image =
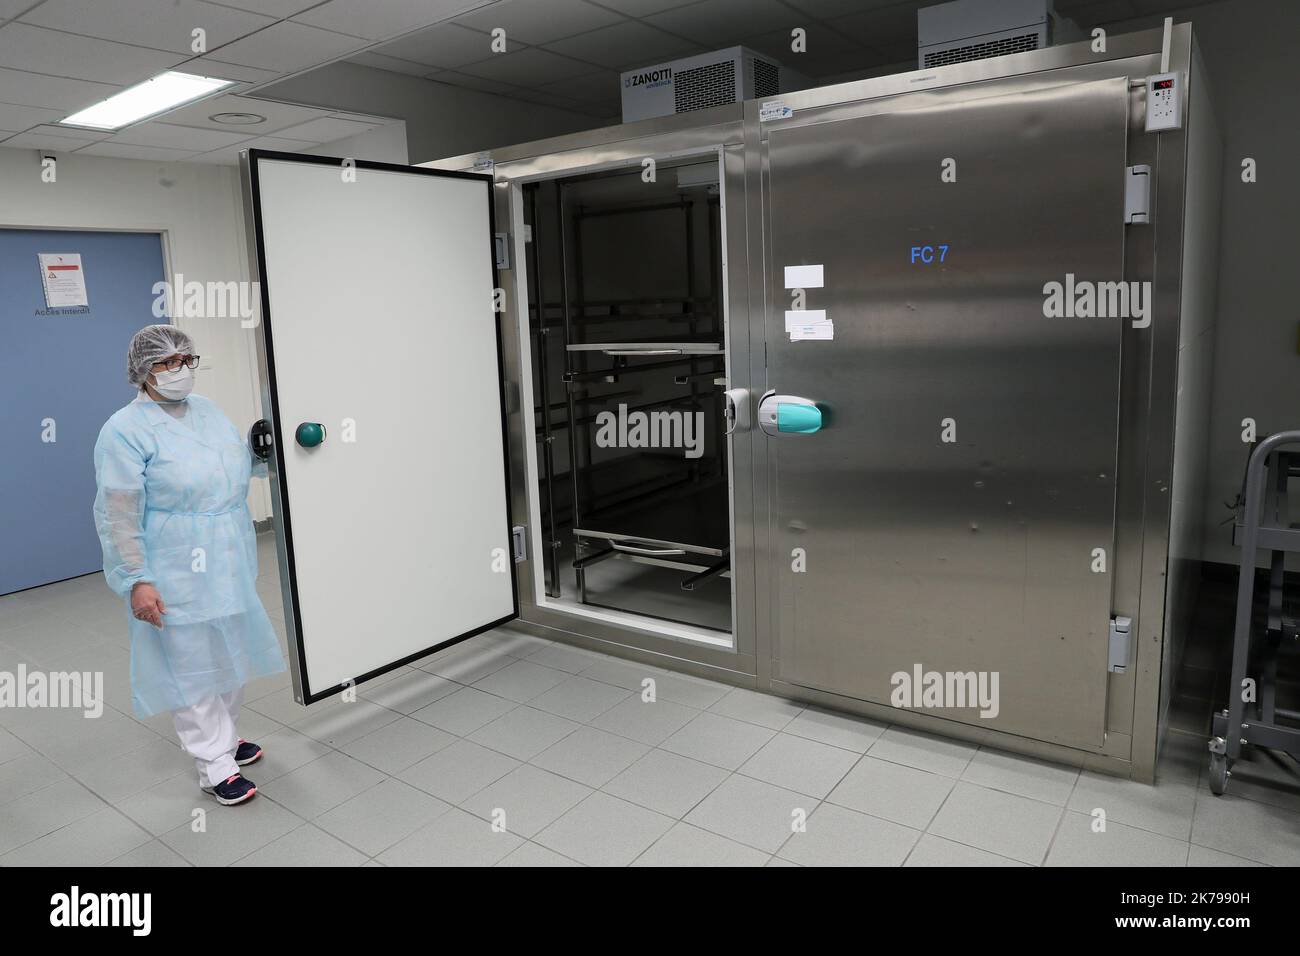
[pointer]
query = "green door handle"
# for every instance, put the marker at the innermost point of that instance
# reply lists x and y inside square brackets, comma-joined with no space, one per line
[310,434]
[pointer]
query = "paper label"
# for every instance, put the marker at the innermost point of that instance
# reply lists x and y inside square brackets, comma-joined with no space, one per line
[64,279]
[803,277]
[818,332]
[773,110]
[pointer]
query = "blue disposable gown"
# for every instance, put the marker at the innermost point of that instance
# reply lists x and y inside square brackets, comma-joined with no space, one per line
[171,510]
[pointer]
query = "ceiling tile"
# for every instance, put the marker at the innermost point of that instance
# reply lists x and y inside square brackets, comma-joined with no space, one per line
[828,9]
[286,47]
[189,138]
[527,67]
[278,115]
[55,92]
[392,64]
[380,19]
[879,28]
[642,8]
[39,139]
[447,46]
[160,24]
[558,102]
[229,155]
[721,23]
[531,21]
[625,45]
[325,130]
[125,151]
[24,47]
[453,78]
[210,66]
[272,8]
[15,118]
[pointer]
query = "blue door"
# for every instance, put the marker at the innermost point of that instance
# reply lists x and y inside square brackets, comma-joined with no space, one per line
[62,374]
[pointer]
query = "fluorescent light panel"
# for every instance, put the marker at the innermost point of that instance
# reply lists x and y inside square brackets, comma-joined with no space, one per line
[164,92]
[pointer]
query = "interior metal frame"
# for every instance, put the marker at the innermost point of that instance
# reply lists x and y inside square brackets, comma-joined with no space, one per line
[1144,572]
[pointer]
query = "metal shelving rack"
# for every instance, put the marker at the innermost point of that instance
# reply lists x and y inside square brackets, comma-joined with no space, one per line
[1265,524]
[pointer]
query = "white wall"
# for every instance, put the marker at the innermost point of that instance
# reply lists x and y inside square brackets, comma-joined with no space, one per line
[196,207]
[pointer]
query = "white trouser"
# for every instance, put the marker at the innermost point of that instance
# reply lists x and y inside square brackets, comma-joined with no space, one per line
[207,732]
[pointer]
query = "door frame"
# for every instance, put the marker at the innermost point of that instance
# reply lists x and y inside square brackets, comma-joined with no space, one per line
[251,188]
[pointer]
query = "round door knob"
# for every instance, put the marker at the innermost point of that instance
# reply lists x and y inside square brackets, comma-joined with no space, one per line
[310,434]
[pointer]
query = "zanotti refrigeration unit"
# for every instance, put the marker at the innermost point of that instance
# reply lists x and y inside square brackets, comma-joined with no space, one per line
[890,382]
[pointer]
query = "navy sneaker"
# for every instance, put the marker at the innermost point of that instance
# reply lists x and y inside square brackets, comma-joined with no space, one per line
[234,789]
[247,753]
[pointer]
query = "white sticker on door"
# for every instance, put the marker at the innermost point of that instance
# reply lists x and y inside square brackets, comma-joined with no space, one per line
[798,318]
[803,277]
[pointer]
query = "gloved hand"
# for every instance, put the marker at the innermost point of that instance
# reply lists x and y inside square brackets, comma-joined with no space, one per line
[147,603]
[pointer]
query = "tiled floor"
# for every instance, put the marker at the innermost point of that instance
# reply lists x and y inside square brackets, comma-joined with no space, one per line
[513,751]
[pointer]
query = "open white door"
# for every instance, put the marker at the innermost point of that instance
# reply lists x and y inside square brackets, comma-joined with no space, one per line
[378,325]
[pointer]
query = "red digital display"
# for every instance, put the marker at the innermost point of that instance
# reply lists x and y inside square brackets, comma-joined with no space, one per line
[1163,85]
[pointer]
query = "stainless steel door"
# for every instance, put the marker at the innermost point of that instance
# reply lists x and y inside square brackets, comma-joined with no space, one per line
[974,554]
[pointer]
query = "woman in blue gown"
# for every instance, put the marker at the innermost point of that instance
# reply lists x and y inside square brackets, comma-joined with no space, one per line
[172,515]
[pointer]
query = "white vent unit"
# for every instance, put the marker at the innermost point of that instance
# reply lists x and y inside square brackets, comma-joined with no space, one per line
[977,29]
[698,82]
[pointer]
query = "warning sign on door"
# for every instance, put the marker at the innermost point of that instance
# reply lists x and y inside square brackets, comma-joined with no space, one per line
[64,280]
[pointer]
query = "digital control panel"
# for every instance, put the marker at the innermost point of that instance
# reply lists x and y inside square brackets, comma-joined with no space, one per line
[1164,102]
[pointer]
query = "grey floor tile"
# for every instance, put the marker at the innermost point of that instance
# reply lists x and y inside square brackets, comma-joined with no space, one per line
[1264,778]
[931,850]
[650,723]
[591,756]
[752,812]
[282,708]
[766,710]
[465,711]
[111,735]
[604,831]
[456,838]
[526,800]
[11,747]
[321,785]
[1025,776]
[153,853]
[836,836]
[306,846]
[685,845]
[1001,823]
[351,721]
[691,691]
[893,792]
[409,692]
[43,811]
[561,657]
[398,745]
[517,642]
[1257,831]
[1204,856]
[521,681]
[25,775]
[845,731]
[580,699]
[1078,844]
[168,804]
[666,782]
[90,841]
[283,752]
[458,771]
[116,777]
[1164,808]
[530,854]
[923,751]
[625,674]
[799,764]
[231,833]
[722,741]
[468,661]
[524,732]
[375,819]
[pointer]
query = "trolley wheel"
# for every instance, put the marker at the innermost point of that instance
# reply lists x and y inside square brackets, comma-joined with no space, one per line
[1219,774]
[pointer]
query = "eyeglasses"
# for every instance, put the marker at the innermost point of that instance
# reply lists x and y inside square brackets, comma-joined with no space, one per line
[172,364]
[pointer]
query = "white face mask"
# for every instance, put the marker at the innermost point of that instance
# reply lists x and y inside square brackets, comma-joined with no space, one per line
[176,385]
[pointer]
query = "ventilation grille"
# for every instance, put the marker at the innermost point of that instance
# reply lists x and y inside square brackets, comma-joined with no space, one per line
[766,78]
[703,86]
[981,51]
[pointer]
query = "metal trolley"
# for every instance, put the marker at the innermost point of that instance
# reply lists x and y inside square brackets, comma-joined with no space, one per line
[1253,715]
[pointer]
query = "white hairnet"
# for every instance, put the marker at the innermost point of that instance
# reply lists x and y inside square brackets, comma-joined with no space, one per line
[152,344]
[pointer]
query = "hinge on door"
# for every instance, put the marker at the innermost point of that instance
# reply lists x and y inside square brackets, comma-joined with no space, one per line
[1120,631]
[1137,194]
[501,248]
[519,542]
